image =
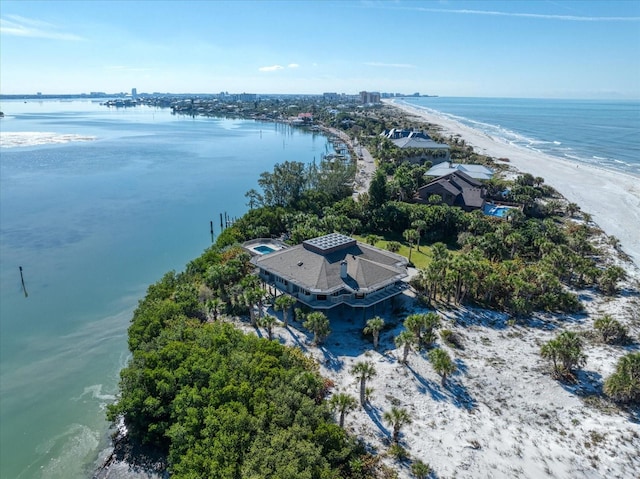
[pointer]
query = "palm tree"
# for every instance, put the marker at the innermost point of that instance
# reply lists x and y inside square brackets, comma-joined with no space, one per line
[420,469]
[343,404]
[415,324]
[397,418]
[442,364]
[319,324]
[407,339]
[572,209]
[609,278]
[284,303]
[624,385]
[441,258]
[267,322]
[363,371]
[372,239]
[422,325]
[215,307]
[420,226]
[612,331]
[373,327]
[410,236]
[515,240]
[252,298]
[565,352]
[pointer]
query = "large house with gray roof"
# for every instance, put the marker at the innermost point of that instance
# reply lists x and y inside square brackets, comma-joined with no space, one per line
[429,150]
[334,270]
[477,172]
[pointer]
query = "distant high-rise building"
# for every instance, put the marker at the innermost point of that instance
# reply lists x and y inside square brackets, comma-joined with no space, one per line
[367,97]
[134,92]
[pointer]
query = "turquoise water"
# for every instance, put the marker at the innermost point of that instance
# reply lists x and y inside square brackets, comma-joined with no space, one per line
[95,205]
[601,132]
[263,249]
[495,210]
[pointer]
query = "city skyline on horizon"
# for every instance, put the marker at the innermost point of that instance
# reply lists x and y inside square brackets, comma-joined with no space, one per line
[529,49]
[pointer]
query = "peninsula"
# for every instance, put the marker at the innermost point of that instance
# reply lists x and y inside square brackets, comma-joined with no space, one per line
[497,348]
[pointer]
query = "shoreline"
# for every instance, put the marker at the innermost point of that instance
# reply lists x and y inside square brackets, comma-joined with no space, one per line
[611,197]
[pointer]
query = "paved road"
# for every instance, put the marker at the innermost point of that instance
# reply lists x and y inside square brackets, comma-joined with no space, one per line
[365,165]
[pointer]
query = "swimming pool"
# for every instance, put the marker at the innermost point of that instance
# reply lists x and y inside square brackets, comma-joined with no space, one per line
[263,249]
[263,246]
[496,210]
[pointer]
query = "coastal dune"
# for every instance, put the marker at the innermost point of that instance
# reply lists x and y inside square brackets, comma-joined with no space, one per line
[612,198]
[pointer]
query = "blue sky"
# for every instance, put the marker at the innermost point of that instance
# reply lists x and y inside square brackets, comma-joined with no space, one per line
[546,49]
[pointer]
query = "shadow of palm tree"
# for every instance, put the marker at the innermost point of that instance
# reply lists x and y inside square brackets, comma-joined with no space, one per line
[460,396]
[428,386]
[461,367]
[296,340]
[331,361]
[587,383]
[374,414]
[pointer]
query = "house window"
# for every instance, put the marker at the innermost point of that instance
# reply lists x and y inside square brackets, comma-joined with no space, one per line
[321,297]
[359,295]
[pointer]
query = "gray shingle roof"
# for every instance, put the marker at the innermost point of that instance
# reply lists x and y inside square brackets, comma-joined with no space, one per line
[413,142]
[478,172]
[368,268]
[468,191]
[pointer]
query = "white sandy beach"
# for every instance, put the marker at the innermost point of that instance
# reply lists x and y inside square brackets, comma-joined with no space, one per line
[501,415]
[612,198]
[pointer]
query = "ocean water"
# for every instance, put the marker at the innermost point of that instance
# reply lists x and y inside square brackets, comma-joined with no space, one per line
[604,133]
[95,205]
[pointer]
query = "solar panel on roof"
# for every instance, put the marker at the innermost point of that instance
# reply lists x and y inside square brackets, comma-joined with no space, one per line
[329,242]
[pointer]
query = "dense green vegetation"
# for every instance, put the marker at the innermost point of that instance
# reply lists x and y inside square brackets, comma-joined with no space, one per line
[222,403]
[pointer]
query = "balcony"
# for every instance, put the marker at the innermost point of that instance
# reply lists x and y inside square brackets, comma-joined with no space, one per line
[350,299]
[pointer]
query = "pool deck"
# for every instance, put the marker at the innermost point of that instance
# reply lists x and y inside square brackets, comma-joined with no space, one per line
[273,244]
[498,210]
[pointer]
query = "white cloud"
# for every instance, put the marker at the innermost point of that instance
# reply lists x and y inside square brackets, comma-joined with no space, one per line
[543,16]
[389,65]
[17,26]
[271,68]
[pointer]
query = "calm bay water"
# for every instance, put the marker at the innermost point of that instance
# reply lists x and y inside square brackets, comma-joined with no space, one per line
[95,205]
[606,133]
